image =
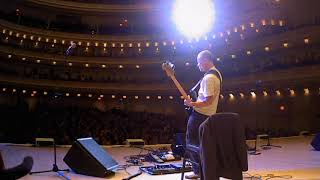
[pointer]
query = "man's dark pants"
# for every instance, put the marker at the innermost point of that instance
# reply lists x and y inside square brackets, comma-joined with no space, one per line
[192,136]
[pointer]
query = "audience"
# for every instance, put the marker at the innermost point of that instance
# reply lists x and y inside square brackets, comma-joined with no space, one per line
[66,124]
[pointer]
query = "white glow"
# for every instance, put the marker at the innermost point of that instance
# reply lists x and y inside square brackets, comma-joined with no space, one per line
[193,18]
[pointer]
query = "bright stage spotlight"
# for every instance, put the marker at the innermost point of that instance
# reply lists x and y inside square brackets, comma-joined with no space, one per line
[193,18]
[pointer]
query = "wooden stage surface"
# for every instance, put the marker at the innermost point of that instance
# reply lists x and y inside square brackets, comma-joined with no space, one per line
[296,159]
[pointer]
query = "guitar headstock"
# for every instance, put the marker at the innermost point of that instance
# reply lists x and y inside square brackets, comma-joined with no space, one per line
[168,67]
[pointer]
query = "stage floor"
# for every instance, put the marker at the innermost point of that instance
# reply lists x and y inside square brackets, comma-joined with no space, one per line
[295,160]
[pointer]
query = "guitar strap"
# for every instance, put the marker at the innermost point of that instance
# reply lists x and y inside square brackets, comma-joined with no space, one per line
[211,71]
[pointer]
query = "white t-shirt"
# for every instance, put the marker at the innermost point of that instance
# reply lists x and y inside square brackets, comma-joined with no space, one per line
[209,86]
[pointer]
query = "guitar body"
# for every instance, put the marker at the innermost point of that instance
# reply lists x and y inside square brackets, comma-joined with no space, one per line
[193,95]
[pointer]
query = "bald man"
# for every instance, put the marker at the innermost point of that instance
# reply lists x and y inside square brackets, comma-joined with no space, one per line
[205,105]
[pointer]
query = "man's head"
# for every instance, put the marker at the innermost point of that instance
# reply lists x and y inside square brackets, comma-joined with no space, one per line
[205,60]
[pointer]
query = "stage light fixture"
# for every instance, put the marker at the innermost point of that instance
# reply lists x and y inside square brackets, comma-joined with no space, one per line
[193,18]
[235,29]
[281,23]
[292,93]
[306,91]
[282,108]
[231,96]
[265,93]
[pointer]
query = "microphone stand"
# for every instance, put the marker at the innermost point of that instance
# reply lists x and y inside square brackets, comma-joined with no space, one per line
[254,151]
[55,167]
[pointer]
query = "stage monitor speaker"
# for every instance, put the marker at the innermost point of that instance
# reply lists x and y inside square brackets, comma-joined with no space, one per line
[315,143]
[88,158]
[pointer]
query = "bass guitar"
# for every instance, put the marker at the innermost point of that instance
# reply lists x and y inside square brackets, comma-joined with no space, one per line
[168,67]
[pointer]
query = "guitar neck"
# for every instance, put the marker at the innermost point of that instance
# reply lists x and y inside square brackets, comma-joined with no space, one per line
[180,88]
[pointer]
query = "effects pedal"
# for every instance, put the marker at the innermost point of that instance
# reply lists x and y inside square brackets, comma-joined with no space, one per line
[155,158]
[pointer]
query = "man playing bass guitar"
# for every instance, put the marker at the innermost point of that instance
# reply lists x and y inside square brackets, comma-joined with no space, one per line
[205,104]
